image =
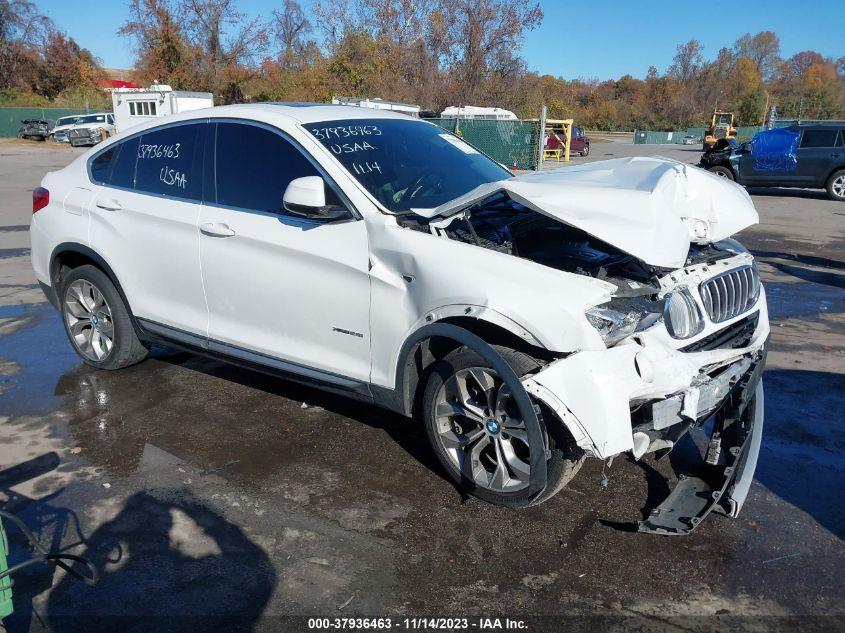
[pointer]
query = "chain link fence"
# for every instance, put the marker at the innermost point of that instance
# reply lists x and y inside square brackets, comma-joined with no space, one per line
[10,118]
[511,143]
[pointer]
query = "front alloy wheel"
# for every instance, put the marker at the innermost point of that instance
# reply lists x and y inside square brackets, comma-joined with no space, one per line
[478,433]
[89,320]
[481,430]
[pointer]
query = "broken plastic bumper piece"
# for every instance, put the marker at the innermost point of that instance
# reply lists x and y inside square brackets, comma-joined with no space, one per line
[721,480]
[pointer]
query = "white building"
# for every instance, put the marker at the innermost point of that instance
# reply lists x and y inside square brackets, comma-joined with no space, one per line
[475,112]
[136,105]
[379,104]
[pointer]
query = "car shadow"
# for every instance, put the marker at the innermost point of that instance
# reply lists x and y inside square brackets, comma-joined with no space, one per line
[809,260]
[786,192]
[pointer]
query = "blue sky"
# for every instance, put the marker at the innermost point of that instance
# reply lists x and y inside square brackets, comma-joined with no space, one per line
[590,39]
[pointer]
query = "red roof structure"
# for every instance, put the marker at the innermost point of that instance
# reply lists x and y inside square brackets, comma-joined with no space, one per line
[118,83]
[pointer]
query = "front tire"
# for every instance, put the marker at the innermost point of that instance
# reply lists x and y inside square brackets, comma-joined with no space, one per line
[585,151]
[722,172]
[836,185]
[477,433]
[97,321]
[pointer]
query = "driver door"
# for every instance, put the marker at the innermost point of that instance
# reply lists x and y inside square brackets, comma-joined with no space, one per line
[280,287]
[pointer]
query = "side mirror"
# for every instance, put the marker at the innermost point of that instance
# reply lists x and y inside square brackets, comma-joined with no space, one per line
[306,198]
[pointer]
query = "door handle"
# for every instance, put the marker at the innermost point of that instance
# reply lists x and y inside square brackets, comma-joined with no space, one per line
[109,204]
[216,229]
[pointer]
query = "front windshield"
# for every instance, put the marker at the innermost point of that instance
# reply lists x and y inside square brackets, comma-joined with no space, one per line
[67,120]
[406,164]
[94,118]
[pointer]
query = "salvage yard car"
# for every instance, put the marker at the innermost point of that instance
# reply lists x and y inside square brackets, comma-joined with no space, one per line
[37,129]
[84,129]
[809,156]
[529,322]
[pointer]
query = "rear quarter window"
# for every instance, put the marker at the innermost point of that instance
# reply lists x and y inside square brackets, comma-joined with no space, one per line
[116,165]
[818,138]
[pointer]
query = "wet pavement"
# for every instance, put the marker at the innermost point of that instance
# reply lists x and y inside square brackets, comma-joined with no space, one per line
[202,490]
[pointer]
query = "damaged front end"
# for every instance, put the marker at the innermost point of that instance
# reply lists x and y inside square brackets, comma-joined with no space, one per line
[683,335]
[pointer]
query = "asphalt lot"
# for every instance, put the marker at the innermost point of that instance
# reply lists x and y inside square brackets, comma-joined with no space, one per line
[200,489]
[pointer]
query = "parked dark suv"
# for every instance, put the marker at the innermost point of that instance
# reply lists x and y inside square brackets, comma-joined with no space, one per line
[810,156]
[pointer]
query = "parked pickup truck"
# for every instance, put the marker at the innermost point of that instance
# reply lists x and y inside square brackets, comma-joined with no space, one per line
[84,129]
[809,156]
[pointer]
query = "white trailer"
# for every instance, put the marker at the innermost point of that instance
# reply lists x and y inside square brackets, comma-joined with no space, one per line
[379,104]
[136,105]
[475,112]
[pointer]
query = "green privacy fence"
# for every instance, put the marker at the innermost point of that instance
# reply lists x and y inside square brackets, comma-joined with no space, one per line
[508,142]
[10,118]
[648,137]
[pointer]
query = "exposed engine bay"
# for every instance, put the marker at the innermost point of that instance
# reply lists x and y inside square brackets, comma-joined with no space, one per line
[502,224]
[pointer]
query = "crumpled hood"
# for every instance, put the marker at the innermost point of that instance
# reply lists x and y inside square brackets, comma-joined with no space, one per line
[651,208]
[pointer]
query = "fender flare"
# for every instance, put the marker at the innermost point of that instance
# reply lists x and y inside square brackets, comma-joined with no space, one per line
[537,481]
[99,260]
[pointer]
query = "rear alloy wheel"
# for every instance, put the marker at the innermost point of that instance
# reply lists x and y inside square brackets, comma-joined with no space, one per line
[836,185]
[479,435]
[97,322]
[722,172]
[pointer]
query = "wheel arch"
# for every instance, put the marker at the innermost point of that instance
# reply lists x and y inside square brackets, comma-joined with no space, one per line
[832,172]
[445,336]
[74,255]
[428,344]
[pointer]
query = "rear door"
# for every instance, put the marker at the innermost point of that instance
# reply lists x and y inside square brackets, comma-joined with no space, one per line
[144,223]
[816,155]
[280,288]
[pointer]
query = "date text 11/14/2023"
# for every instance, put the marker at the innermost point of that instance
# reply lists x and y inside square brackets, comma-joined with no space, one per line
[418,624]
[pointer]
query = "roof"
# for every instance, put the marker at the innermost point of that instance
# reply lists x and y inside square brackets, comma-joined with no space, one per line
[313,112]
[117,83]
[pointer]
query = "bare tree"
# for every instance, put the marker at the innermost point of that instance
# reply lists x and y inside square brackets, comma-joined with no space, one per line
[688,61]
[222,37]
[485,31]
[763,49]
[290,28]
[334,19]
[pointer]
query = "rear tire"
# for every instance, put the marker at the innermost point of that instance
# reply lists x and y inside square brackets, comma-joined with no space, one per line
[836,185]
[722,172]
[565,460]
[97,321]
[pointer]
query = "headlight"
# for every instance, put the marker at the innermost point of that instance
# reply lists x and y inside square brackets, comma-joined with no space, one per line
[614,321]
[95,131]
[681,314]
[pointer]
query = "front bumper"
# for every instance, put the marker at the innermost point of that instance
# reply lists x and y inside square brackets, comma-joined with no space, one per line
[643,395]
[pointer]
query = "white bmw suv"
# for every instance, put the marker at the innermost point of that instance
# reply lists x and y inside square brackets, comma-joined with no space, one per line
[528,322]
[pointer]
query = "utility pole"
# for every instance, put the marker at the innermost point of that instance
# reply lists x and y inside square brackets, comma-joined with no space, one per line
[541,144]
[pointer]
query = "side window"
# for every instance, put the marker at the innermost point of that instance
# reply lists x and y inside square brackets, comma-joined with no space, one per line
[101,165]
[818,138]
[840,140]
[170,161]
[123,171]
[254,167]
[110,119]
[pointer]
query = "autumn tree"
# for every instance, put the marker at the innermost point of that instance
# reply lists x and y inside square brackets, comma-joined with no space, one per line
[23,33]
[64,65]
[162,49]
[763,49]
